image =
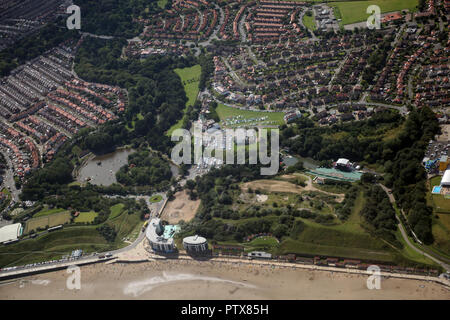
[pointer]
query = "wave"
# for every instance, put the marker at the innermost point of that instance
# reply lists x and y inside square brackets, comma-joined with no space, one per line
[41,282]
[137,288]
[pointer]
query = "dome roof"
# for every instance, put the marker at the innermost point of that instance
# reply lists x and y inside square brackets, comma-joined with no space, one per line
[159,229]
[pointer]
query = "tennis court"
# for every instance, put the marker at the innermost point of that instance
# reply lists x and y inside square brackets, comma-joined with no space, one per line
[334,174]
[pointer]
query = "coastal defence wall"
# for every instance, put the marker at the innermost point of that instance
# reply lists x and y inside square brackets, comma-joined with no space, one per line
[6,275]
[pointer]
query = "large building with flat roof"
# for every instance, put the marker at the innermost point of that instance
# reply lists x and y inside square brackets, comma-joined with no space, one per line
[10,232]
[343,164]
[445,182]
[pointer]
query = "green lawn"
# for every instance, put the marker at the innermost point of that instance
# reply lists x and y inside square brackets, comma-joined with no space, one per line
[441,233]
[45,212]
[226,113]
[410,253]
[48,220]
[124,224]
[116,210]
[53,245]
[190,78]
[6,191]
[309,22]
[261,244]
[439,203]
[162,3]
[7,200]
[308,248]
[156,198]
[86,216]
[355,11]
[441,224]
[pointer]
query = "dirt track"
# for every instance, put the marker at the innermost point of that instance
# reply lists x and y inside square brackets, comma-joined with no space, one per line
[285,186]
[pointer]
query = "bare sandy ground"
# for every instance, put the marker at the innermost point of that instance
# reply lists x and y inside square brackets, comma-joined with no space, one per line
[445,136]
[285,186]
[182,208]
[178,279]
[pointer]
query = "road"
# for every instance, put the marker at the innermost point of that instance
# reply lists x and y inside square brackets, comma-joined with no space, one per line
[242,29]
[232,72]
[300,22]
[406,238]
[402,109]
[8,182]
[97,36]
[94,257]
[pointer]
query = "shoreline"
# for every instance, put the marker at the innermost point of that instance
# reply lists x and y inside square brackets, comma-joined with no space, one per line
[137,257]
[203,280]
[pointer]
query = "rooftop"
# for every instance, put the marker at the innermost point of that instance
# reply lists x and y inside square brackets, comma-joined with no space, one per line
[168,231]
[10,232]
[194,240]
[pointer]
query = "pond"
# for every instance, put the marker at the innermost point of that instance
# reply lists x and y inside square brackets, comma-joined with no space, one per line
[101,170]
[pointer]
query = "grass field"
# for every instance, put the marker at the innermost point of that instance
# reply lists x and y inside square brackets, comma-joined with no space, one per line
[190,78]
[155,198]
[355,11]
[86,216]
[441,224]
[53,245]
[48,220]
[410,253]
[309,22]
[7,200]
[345,239]
[441,233]
[224,112]
[437,201]
[45,212]
[116,210]
[162,3]
[261,244]
[124,224]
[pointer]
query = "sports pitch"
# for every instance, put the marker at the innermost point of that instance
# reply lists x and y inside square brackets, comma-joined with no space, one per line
[356,11]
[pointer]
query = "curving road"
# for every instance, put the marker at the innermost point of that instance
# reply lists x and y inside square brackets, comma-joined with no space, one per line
[405,235]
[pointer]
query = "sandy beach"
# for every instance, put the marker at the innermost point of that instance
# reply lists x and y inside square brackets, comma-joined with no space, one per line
[178,279]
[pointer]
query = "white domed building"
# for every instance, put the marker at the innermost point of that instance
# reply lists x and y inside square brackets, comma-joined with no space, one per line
[195,244]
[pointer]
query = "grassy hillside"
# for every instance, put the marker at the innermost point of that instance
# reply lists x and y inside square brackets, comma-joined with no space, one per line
[53,245]
[346,239]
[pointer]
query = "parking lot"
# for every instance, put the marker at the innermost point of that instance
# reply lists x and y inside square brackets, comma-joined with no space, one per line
[325,19]
[437,149]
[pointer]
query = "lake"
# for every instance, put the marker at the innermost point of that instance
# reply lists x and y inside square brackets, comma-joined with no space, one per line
[102,169]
